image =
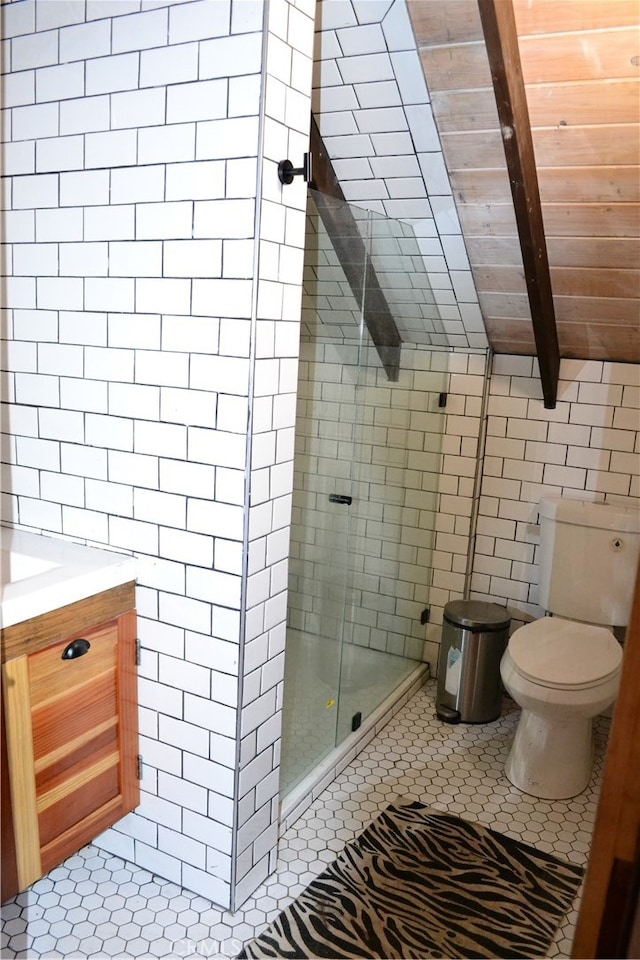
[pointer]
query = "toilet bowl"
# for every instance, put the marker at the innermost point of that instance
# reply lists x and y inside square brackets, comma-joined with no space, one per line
[562,673]
[564,669]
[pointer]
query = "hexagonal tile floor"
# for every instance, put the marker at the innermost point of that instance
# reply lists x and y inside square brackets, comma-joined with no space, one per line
[95,905]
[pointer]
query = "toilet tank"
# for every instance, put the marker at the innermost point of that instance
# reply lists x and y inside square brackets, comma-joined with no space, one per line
[588,559]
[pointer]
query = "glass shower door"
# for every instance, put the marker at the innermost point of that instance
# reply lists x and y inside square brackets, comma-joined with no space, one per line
[313,654]
[397,433]
[319,564]
[366,466]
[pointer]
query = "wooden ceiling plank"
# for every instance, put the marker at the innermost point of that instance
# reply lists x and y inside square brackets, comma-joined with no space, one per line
[592,55]
[598,252]
[346,238]
[604,310]
[465,110]
[544,16]
[610,342]
[561,219]
[499,27]
[435,23]
[579,340]
[597,281]
[515,335]
[451,68]
[499,278]
[592,219]
[549,105]
[582,103]
[600,309]
[496,250]
[565,184]
[607,145]
[514,305]
[551,58]
[594,281]
[488,220]
[472,150]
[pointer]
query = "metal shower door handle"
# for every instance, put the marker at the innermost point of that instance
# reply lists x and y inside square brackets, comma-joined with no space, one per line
[340,498]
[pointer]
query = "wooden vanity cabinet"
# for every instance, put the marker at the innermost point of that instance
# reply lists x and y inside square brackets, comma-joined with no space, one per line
[70,733]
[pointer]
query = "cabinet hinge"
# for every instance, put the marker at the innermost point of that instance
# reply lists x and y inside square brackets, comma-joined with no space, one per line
[139,766]
[138,654]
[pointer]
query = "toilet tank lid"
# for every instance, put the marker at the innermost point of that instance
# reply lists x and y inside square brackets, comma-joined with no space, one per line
[624,517]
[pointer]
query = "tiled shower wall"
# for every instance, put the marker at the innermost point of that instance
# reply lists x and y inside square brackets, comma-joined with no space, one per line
[588,447]
[149,395]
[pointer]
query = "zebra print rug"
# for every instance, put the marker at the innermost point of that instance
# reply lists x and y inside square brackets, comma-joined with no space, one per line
[418,884]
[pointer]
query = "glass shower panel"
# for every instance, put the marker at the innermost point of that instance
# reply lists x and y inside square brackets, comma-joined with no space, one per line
[398,427]
[366,463]
[319,565]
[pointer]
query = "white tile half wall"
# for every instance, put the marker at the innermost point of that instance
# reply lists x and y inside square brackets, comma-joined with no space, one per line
[153,268]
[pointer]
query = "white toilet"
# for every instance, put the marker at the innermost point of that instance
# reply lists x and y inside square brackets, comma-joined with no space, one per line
[564,669]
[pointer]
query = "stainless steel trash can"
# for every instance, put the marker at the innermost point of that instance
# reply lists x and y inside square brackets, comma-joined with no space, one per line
[474,637]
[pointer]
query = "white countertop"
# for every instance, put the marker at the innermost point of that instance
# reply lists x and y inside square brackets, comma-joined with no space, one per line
[39,573]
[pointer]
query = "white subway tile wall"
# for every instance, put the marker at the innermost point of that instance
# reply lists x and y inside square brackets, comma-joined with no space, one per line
[140,183]
[486,529]
[588,447]
[458,486]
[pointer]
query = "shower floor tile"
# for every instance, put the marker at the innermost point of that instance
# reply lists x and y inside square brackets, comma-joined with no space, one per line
[95,905]
[320,698]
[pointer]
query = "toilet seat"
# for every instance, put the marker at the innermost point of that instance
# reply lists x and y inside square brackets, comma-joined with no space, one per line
[582,655]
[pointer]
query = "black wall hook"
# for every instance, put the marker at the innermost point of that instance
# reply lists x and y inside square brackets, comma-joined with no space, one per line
[287,171]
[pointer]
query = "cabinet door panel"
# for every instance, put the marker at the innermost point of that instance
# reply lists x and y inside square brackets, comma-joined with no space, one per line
[51,677]
[72,739]
[77,774]
[59,728]
[69,842]
[69,760]
[80,798]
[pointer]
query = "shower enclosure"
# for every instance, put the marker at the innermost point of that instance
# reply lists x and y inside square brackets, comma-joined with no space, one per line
[371,383]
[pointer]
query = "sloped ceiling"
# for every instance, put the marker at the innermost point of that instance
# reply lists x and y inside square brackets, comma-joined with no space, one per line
[580,62]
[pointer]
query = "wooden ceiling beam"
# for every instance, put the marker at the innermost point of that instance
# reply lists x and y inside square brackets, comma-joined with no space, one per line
[501,39]
[354,258]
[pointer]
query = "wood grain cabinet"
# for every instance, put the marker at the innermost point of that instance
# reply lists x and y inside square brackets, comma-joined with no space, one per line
[70,738]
